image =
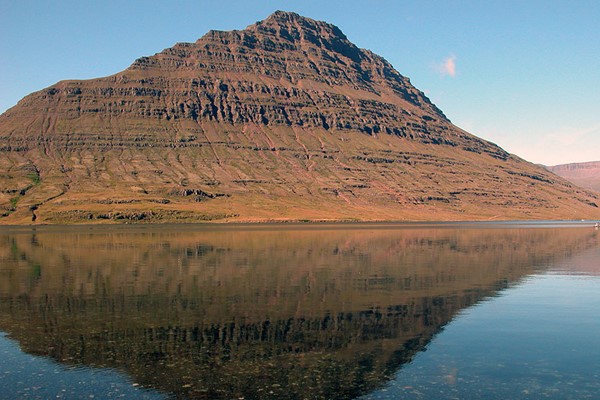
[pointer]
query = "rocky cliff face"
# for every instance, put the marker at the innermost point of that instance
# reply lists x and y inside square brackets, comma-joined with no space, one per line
[586,175]
[286,119]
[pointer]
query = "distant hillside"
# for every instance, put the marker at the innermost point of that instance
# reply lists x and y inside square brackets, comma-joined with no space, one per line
[284,120]
[586,175]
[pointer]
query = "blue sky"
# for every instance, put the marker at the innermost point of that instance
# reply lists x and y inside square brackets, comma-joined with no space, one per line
[522,74]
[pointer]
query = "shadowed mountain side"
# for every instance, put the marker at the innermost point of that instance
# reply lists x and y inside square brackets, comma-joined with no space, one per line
[585,175]
[225,314]
[284,120]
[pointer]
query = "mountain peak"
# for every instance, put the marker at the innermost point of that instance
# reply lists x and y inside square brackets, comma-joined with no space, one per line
[288,18]
[289,46]
[293,27]
[281,16]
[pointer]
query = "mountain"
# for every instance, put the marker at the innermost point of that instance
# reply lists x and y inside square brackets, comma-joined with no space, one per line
[586,175]
[284,120]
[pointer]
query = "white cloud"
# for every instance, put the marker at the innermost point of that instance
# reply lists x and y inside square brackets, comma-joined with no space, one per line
[448,67]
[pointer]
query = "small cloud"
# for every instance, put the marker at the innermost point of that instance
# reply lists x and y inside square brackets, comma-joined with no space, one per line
[448,67]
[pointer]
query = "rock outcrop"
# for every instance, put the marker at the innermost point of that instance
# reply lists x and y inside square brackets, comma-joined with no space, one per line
[284,120]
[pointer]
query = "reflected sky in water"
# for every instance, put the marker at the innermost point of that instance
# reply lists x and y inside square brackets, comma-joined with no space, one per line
[29,377]
[332,312]
[540,339]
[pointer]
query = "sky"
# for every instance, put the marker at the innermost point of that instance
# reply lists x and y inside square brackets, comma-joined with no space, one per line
[522,74]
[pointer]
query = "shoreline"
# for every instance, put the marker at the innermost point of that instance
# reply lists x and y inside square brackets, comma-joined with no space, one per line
[306,225]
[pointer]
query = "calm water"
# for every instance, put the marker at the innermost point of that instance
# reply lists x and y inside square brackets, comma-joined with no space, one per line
[301,312]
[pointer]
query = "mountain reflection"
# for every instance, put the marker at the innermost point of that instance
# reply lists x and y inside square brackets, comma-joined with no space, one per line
[256,313]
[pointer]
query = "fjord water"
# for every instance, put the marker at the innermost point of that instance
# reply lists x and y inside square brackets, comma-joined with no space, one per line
[301,311]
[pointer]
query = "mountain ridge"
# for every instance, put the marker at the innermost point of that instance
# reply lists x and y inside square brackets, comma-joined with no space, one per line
[284,120]
[584,174]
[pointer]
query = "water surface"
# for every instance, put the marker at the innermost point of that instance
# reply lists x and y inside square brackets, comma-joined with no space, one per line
[285,312]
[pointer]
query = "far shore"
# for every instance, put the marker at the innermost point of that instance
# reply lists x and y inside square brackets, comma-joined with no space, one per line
[307,225]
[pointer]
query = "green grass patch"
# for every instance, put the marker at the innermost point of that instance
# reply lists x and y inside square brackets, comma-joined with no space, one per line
[36,271]
[35,178]
[14,201]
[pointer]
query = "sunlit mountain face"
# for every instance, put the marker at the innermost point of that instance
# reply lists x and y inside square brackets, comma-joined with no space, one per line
[284,120]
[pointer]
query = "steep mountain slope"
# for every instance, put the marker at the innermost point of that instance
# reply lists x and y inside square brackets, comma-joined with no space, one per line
[286,119]
[586,175]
